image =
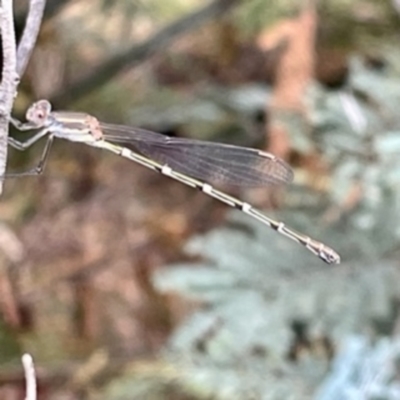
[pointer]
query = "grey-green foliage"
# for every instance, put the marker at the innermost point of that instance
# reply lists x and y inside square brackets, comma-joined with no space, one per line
[364,369]
[359,132]
[253,286]
[253,283]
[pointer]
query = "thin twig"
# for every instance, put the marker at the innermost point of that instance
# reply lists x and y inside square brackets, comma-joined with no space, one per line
[8,87]
[29,36]
[30,377]
[142,52]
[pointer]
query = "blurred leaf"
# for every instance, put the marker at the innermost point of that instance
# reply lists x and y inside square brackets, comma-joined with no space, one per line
[254,284]
[363,369]
[267,285]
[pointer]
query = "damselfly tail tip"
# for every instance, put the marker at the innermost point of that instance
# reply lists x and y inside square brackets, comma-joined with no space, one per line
[324,252]
[329,255]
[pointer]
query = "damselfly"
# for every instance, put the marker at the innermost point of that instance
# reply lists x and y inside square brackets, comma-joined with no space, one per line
[192,162]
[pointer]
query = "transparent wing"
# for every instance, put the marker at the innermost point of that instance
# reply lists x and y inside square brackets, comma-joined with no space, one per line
[217,162]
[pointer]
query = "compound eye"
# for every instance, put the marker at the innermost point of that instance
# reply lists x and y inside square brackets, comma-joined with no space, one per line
[35,115]
[38,112]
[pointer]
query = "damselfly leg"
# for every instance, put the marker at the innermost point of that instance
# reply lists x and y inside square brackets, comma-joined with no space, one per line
[23,145]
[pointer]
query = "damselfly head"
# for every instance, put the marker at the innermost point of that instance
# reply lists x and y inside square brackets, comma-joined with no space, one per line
[38,112]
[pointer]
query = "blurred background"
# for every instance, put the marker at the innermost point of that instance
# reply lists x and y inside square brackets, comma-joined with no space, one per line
[124,284]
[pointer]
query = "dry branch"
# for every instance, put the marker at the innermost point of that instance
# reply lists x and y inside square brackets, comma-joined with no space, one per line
[9,82]
[30,377]
[14,65]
